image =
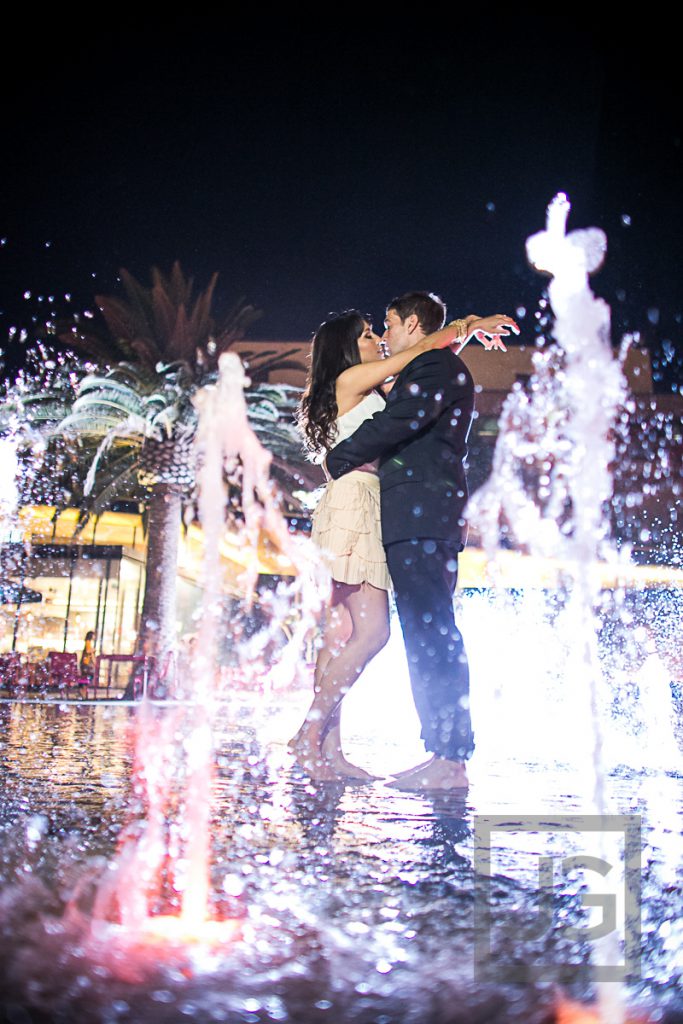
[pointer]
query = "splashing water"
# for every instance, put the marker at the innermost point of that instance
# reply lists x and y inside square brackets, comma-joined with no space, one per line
[348,904]
[8,475]
[551,477]
[168,853]
[551,480]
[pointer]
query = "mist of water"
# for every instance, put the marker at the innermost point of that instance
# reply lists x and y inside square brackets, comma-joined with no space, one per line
[8,474]
[552,479]
[165,852]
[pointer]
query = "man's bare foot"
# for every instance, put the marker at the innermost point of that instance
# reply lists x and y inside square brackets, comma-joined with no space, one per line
[411,771]
[438,774]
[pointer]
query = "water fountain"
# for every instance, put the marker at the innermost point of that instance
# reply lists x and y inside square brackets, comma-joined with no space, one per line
[220,885]
[549,495]
[169,848]
[561,435]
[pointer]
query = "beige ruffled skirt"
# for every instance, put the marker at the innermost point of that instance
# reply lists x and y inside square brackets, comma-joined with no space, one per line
[346,526]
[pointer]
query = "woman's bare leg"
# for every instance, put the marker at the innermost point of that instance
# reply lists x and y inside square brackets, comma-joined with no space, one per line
[340,665]
[336,631]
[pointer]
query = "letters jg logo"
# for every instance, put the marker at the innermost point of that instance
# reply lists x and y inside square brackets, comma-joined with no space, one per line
[557,898]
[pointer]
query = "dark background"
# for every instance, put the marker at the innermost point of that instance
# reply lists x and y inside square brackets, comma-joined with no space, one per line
[318,167]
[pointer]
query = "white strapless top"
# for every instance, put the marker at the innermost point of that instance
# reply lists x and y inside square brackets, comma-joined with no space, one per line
[349,422]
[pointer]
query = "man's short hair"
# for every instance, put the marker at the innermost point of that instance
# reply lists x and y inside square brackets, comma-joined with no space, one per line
[429,309]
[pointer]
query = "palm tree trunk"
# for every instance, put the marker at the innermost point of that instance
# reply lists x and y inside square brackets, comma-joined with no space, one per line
[157,634]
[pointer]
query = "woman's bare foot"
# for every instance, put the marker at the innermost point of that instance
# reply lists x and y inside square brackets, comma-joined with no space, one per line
[305,743]
[324,761]
[318,770]
[308,754]
[437,774]
[334,757]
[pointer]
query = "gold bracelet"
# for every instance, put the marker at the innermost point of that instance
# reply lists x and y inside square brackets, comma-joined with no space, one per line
[461,327]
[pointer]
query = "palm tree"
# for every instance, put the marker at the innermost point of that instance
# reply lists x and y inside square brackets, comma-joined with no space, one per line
[159,347]
[31,405]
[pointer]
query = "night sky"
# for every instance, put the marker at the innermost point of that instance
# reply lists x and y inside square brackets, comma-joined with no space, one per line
[321,168]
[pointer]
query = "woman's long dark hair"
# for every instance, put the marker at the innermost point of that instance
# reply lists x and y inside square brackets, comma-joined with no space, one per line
[334,349]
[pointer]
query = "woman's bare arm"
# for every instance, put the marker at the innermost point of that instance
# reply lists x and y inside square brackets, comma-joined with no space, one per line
[355,382]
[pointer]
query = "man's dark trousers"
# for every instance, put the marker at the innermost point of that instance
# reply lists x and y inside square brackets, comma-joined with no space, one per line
[424,574]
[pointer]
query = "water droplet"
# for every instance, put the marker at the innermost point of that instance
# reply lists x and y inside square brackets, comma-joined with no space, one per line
[162,995]
[653,315]
[626,220]
[233,885]
[491,207]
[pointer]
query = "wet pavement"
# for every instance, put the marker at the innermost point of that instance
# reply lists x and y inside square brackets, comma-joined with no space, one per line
[357,902]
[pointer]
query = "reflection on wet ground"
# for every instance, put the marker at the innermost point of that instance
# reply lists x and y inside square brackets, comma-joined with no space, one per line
[360,902]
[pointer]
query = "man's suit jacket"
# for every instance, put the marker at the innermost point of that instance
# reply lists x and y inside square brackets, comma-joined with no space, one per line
[420,438]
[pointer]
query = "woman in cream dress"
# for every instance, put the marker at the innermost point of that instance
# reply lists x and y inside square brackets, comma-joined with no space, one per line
[347,378]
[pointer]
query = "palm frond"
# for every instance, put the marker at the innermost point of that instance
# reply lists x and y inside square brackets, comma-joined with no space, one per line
[109,404]
[263,409]
[178,287]
[201,321]
[103,350]
[235,325]
[98,422]
[169,324]
[179,373]
[140,304]
[165,420]
[117,479]
[147,351]
[86,423]
[285,395]
[259,364]
[140,377]
[126,429]
[106,390]
[153,403]
[38,409]
[121,318]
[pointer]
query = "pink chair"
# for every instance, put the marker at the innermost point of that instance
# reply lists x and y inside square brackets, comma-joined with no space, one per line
[63,667]
[39,677]
[13,676]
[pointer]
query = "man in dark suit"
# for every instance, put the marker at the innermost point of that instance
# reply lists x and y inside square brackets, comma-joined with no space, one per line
[420,439]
